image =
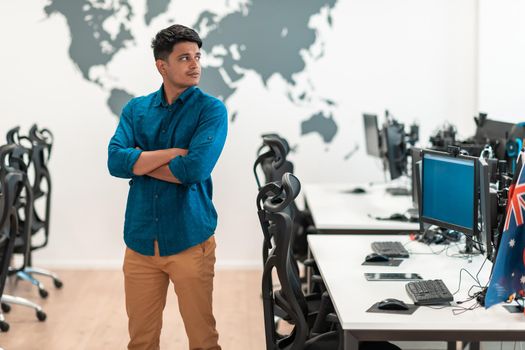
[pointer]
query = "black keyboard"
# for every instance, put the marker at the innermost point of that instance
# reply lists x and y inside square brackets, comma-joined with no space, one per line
[431,292]
[390,249]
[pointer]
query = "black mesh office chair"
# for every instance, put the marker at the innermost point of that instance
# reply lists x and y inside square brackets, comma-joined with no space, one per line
[8,230]
[20,159]
[39,146]
[272,159]
[12,184]
[314,301]
[309,328]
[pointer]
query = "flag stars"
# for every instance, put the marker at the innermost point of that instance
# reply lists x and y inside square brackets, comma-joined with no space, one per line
[512,243]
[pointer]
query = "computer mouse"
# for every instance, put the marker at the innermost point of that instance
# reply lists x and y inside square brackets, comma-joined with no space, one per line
[358,190]
[376,257]
[392,304]
[398,217]
[355,190]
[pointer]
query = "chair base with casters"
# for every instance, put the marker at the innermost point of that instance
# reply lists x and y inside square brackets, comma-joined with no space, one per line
[57,282]
[9,299]
[27,272]
[24,275]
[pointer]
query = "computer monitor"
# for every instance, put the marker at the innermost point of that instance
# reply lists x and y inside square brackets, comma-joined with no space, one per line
[449,195]
[493,132]
[372,135]
[488,199]
[394,140]
[415,153]
[488,129]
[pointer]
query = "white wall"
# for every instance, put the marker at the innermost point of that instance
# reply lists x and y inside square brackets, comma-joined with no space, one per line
[502,59]
[417,58]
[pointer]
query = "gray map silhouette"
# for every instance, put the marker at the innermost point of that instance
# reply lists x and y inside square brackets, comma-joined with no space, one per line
[264,36]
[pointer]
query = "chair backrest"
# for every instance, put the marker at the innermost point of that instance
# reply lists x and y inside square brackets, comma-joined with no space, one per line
[276,220]
[273,161]
[11,183]
[42,141]
[44,137]
[12,179]
[18,160]
[274,165]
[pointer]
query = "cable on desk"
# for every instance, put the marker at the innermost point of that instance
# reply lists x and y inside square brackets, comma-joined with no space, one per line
[437,307]
[477,296]
[432,251]
[461,310]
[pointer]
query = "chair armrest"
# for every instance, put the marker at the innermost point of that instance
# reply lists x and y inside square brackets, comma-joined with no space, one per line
[309,263]
[332,318]
[311,230]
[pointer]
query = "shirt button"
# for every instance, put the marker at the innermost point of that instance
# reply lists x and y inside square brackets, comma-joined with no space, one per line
[163,130]
[156,196]
[157,219]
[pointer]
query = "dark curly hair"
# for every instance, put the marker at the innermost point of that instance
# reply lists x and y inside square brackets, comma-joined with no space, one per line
[164,41]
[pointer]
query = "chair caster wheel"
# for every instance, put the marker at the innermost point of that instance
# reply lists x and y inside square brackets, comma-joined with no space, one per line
[6,307]
[43,293]
[41,315]
[58,283]
[4,326]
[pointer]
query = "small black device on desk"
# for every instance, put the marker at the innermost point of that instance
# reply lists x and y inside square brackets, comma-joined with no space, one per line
[398,191]
[375,257]
[356,190]
[429,292]
[390,249]
[392,304]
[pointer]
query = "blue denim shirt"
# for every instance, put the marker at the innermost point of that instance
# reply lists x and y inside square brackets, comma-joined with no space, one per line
[177,216]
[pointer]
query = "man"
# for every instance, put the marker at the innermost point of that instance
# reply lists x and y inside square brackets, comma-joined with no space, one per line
[168,143]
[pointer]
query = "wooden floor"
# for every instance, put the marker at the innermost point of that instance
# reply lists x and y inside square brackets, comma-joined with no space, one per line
[89,313]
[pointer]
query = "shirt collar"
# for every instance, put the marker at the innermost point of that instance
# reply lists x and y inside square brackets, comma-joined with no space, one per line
[160,100]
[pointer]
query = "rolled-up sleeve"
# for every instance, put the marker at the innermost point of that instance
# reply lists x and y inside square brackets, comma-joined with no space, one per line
[205,146]
[122,154]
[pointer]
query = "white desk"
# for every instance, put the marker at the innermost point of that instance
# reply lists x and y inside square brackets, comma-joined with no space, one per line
[339,259]
[336,211]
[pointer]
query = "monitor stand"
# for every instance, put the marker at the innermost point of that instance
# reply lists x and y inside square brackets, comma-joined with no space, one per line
[469,247]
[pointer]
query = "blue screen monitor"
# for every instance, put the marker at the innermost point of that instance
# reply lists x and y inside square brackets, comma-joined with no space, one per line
[449,196]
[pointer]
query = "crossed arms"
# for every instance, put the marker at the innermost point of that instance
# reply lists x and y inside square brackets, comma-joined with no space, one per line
[175,165]
[155,164]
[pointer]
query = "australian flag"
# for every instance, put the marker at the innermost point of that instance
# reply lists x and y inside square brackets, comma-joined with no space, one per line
[508,274]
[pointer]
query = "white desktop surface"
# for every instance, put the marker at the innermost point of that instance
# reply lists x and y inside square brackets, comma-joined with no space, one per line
[333,209]
[339,259]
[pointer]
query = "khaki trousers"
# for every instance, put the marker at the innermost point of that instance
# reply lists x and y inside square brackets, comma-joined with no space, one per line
[146,280]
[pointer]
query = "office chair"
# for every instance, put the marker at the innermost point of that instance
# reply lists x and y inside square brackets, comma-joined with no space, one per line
[272,160]
[308,331]
[40,145]
[20,159]
[8,230]
[272,190]
[274,165]
[12,184]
